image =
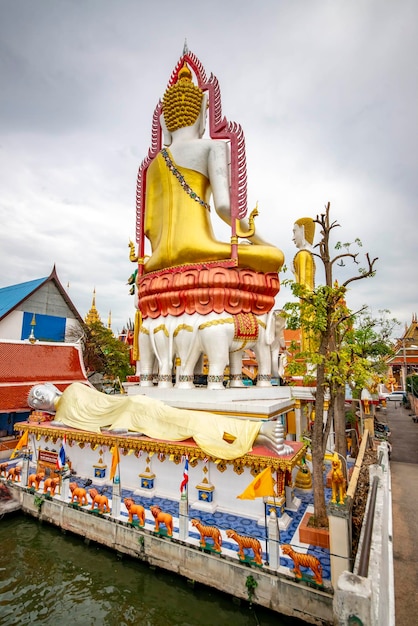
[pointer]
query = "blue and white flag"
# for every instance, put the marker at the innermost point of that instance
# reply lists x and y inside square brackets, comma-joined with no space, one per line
[185,480]
[61,454]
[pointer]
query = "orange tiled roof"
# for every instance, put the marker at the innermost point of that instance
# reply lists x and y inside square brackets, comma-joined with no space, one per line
[22,365]
[292,335]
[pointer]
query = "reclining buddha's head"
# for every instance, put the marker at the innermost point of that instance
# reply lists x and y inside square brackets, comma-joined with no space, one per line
[43,397]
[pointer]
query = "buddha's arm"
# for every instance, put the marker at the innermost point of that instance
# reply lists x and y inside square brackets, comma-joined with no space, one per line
[256,237]
[218,168]
[218,158]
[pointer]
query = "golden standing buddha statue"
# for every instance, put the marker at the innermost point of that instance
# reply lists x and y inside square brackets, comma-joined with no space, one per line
[304,264]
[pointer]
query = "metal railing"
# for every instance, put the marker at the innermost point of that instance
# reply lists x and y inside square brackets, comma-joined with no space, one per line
[363,568]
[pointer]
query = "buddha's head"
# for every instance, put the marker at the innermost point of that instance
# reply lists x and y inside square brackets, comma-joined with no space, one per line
[44,397]
[183,103]
[304,232]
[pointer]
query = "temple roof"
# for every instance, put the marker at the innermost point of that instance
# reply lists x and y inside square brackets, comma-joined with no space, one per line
[23,365]
[93,316]
[14,295]
[410,359]
[11,296]
[406,347]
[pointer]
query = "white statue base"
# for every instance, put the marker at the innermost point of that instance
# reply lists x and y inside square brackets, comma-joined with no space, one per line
[245,402]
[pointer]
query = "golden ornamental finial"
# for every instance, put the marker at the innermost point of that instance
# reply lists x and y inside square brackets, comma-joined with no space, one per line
[133,257]
[251,230]
[185,73]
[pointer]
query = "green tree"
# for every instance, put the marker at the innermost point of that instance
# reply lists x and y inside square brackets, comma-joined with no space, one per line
[374,337]
[104,353]
[412,385]
[109,355]
[323,315]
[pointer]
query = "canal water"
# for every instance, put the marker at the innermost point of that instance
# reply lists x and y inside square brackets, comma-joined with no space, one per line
[51,578]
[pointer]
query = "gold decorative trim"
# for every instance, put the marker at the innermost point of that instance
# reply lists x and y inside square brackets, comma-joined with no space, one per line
[161,327]
[163,449]
[207,488]
[182,327]
[223,320]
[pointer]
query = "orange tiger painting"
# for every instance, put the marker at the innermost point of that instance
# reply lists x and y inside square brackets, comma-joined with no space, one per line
[208,531]
[247,542]
[304,560]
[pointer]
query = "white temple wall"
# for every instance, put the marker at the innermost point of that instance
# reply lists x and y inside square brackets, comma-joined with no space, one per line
[11,325]
[168,476]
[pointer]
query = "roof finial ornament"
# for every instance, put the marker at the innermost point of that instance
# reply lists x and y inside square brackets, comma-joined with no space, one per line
[185,47]
[32,338]
[93,316]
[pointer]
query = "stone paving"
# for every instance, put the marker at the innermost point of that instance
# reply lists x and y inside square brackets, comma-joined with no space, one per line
[404,469]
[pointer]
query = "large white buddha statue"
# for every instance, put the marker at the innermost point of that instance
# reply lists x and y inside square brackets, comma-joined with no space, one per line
[179,184]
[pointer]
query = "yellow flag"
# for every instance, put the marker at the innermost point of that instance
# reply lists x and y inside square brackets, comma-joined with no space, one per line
[262,485]
[22,443]
[115,461]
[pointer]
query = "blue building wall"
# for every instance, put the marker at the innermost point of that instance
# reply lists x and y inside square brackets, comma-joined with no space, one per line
[8,420]
[47,328]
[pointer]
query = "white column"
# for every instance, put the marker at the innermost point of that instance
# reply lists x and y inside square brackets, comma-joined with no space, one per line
[274,540]
[116,498]
[184,518]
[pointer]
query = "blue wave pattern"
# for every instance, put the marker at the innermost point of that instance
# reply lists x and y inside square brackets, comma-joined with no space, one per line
[241,525]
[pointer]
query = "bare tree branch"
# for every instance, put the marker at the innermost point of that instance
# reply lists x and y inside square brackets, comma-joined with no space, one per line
[366,274]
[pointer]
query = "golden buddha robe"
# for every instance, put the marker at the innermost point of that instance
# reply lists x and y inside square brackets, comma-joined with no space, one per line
[304,269]
[178,225]
[86,409]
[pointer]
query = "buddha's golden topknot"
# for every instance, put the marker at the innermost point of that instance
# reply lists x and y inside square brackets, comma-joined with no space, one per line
[182,101]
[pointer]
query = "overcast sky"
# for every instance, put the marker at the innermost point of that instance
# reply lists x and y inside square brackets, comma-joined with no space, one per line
[326,93]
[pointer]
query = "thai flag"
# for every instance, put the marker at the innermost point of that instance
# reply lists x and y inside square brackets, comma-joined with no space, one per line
[61,455]
[185,480]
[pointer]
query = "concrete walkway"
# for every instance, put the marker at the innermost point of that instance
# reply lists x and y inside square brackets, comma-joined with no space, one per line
[404,468]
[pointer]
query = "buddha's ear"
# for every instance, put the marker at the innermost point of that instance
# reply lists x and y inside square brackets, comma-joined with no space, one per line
[203,114]
[167,137]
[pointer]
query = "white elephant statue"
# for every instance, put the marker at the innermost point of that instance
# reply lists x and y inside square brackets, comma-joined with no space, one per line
[189,336]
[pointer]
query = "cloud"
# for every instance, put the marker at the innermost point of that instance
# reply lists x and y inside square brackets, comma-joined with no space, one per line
[323,90]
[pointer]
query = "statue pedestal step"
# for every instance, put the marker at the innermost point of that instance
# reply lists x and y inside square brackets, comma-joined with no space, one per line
[246,402]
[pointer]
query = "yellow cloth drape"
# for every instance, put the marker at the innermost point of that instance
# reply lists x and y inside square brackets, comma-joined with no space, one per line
[87,409]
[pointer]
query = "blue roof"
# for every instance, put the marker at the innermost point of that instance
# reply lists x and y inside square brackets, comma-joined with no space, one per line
[11,296]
